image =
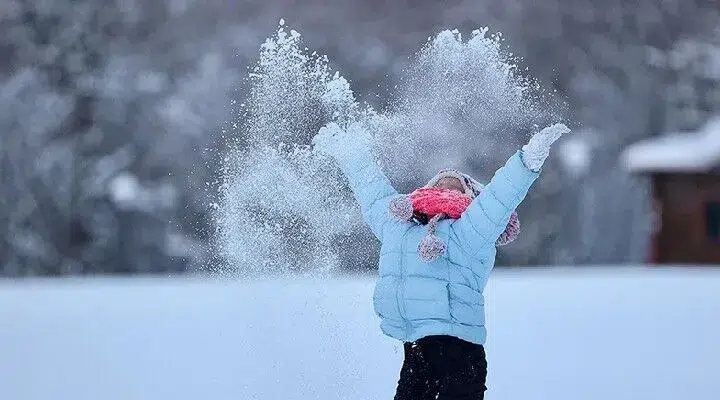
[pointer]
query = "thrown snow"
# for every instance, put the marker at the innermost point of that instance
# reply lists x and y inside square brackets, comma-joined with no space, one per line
[565,334]
[284,208]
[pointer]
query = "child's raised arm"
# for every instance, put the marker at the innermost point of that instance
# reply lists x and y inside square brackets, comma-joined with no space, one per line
[371,188]
[487,216]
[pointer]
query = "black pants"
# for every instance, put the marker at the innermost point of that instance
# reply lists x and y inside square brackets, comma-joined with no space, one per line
[442,368]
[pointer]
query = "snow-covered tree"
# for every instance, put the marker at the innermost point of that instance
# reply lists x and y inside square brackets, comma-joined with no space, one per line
[105,112]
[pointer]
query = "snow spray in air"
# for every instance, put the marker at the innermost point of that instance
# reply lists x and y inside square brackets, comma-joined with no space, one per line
[284,209]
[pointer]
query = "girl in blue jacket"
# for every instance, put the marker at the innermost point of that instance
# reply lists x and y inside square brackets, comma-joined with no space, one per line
[432,273]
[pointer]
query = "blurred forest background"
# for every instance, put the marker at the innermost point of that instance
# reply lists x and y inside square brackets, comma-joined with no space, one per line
[111,114]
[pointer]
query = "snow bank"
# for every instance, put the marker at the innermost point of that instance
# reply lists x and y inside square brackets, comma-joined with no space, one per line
[586,334]
[677,152]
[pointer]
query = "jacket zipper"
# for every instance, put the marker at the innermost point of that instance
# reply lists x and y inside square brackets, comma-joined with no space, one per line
[401,290]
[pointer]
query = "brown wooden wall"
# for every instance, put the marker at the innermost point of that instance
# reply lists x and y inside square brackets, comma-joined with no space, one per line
[683,233]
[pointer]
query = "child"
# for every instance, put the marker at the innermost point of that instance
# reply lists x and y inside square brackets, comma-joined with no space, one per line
[437,250]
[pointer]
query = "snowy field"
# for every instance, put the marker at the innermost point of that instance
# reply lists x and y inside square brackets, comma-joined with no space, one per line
[582,334]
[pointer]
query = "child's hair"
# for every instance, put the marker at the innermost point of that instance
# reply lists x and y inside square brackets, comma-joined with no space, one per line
[420,218]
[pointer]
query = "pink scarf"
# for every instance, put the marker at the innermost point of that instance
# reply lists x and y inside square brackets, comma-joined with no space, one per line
[432,204]
[433,201]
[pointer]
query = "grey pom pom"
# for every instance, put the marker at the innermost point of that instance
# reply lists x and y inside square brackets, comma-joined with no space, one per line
[431,248]
[401,208]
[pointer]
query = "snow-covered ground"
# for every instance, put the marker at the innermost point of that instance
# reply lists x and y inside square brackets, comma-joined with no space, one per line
[582,334]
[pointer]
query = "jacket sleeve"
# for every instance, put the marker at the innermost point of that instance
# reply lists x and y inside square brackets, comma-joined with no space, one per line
[485,219]
[372,190]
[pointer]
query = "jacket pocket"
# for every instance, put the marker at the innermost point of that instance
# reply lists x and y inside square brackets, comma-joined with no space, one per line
[384,298]
[467,305]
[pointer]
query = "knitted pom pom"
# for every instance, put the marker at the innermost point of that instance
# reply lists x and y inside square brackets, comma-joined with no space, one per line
[431,248]
[512,230]
[401,208]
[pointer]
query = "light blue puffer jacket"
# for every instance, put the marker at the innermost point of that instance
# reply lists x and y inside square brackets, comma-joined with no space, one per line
[413,298]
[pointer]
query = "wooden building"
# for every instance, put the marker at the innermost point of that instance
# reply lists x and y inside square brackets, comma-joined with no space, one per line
[684,169]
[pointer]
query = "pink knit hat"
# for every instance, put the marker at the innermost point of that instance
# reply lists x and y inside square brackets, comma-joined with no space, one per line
[406,207]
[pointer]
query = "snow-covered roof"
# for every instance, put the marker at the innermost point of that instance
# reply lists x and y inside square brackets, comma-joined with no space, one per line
[677,152]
